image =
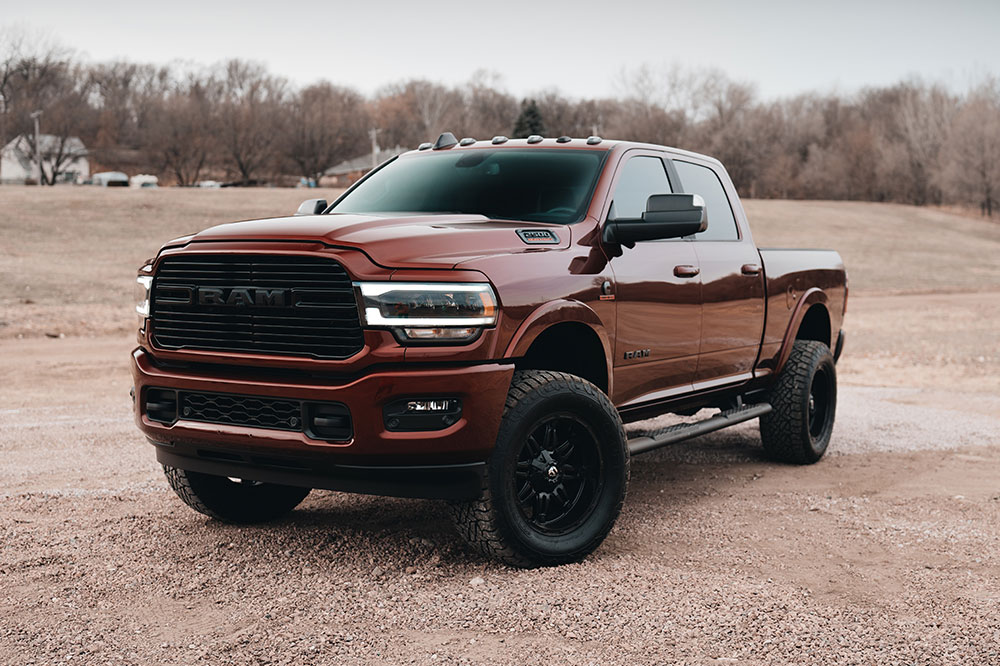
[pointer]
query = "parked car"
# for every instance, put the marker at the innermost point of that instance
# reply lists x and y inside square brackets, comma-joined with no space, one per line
[144,180]
[110,179]
[475,321]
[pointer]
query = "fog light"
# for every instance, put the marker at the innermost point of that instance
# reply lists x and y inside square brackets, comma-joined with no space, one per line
[415,414]
[428,405]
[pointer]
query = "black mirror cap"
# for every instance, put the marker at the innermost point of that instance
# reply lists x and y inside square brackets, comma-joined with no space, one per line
[686,208]
[311,207]
[666,216]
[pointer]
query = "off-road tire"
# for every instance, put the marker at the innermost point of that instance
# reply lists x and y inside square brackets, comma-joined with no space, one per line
[789,432]
[496,524]
[233,501]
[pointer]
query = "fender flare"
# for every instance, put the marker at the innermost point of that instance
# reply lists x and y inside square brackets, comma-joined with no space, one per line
[558,312]
[811,297]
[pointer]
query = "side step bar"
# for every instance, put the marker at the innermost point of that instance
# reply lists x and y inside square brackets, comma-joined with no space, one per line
[654,439]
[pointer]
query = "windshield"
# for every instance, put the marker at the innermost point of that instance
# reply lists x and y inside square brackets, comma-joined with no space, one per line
[534,185]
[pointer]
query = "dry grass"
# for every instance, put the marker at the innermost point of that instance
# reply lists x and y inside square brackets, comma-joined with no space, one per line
[68,255]
[887,247]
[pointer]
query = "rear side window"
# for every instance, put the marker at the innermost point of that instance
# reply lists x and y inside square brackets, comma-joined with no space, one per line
[641,177]
[698,179]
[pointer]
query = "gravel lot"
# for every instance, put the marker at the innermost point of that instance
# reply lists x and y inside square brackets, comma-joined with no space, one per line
[885,552]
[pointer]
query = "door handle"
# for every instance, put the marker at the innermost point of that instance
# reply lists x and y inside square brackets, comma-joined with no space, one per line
[750,269]
[686,270]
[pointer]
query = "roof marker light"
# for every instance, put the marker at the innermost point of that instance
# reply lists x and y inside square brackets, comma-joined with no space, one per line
[564,139]
[499,139]
[593,140]
[467,141]
[534,138]
[425,146]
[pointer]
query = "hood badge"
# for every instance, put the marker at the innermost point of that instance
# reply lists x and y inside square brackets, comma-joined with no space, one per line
[538,236]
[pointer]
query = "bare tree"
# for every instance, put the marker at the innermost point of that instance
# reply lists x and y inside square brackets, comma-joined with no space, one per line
[33,75]
[249,117]
[326,124]
[125,94]
[416,111]
[61,90]
[11,47]
[486,109]
[181,137]
[971,170]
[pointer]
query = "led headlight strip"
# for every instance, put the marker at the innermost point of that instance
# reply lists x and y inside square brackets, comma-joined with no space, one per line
[433,304]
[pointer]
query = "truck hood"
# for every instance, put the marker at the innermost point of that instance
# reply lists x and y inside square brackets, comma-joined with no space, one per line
[398,241]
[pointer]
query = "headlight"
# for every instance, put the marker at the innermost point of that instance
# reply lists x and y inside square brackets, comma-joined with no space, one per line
[429,311]
[143,285]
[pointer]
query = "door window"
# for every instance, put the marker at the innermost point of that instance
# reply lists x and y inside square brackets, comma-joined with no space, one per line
[698,179]
[640,178]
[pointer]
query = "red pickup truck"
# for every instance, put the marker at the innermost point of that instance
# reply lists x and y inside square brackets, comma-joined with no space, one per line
[475,321]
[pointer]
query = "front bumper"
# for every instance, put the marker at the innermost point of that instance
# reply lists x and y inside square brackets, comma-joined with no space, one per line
[437,463]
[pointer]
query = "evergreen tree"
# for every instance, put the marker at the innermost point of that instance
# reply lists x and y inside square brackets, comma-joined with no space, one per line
[530,121]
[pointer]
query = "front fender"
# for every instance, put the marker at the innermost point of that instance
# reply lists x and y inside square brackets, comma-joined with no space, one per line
[557,312]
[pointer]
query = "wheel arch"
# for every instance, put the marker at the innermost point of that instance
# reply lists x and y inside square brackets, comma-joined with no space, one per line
[566,336]
[810,320]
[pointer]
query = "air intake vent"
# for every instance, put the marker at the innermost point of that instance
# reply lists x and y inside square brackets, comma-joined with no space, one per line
[329,421]
[286,305]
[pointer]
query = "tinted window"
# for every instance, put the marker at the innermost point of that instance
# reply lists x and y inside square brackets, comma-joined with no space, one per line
[640,178]
[534,185]
[697,179]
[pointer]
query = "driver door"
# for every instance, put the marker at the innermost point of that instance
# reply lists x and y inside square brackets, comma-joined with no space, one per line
[658,295]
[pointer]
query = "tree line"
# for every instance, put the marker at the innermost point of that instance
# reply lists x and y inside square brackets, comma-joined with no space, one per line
[912,142]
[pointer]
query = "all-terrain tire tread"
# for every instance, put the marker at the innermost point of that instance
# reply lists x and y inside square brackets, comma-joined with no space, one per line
[477,520]
[781,429]
[178,480]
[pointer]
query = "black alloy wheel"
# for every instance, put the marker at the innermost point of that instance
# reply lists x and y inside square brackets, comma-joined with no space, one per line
[557,476]
[557,479]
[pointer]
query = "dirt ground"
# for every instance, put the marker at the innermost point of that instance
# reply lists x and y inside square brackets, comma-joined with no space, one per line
[884,552]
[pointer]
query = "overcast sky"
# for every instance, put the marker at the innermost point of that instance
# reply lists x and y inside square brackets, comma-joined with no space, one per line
[577,47]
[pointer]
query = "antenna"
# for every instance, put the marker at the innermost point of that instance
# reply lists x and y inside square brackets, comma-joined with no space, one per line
[446,140]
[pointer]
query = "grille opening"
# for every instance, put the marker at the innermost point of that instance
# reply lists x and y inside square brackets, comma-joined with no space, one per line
[292,305]
[255,412]
[320,420]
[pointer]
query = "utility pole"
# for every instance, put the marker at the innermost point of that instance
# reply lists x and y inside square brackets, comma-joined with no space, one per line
[38,145]
[373,133]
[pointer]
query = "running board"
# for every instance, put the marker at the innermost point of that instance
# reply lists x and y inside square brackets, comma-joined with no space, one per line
[654,439]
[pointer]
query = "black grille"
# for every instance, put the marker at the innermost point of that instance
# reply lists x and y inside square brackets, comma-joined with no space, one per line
[319,420]
[289,305]
[270,413]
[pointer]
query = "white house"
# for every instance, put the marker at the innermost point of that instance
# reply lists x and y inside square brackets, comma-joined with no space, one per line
[17,160]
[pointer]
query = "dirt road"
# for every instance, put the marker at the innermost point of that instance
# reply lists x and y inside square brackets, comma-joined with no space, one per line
[885,552]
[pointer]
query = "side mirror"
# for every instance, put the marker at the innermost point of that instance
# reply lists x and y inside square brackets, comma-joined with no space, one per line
[666,216]
[311,207]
